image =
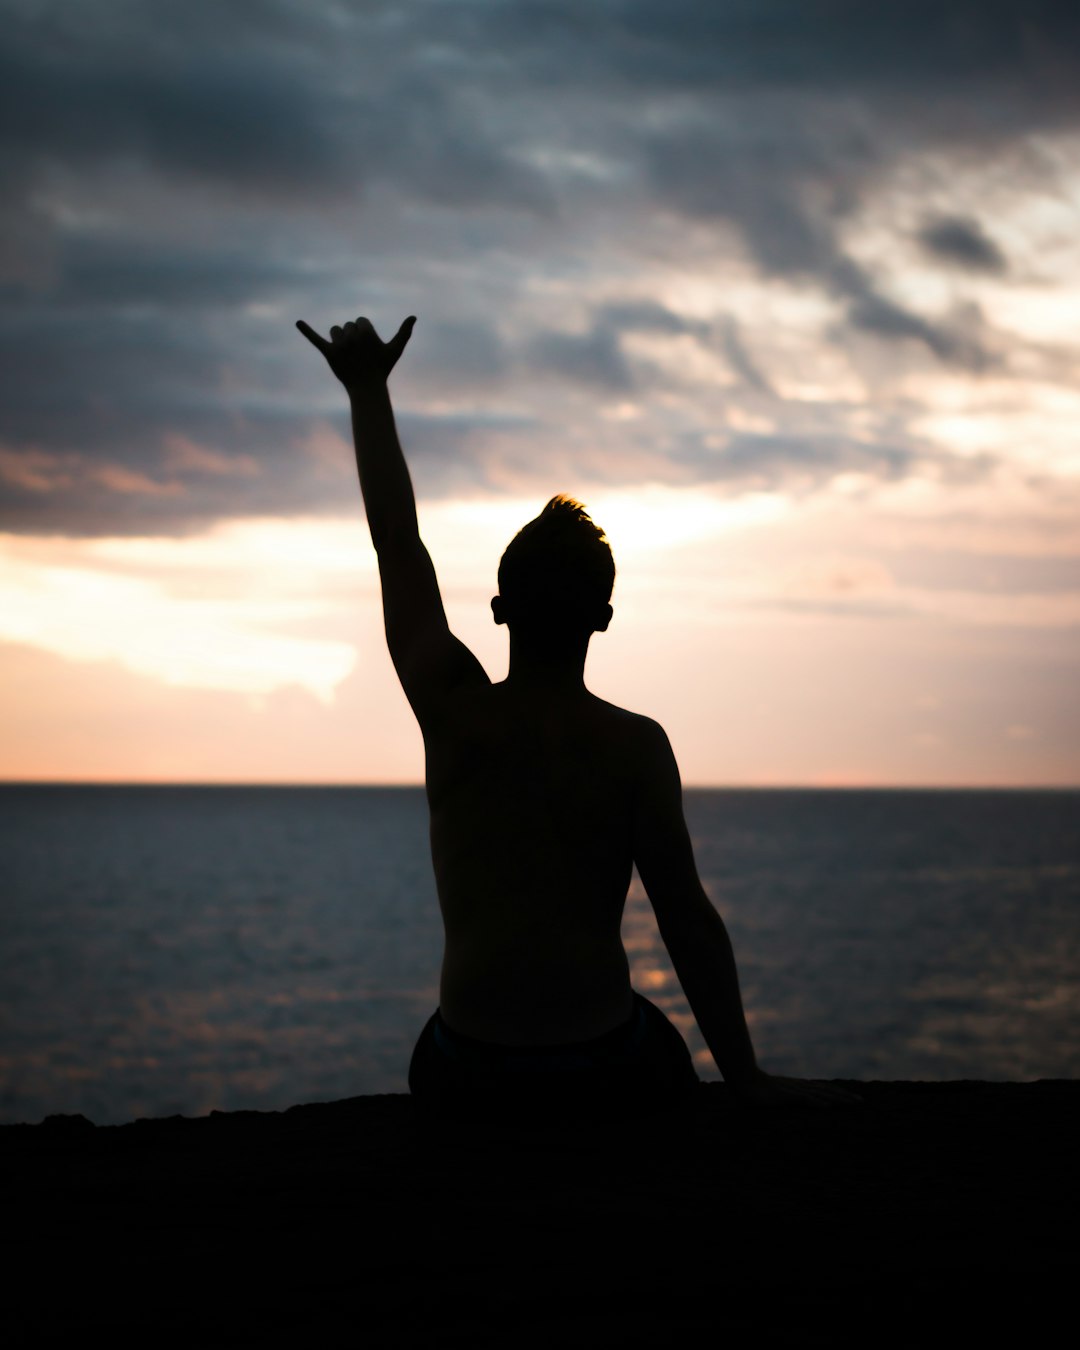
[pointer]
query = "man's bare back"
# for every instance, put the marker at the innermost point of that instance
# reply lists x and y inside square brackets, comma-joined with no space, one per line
[542,799]
[532,804]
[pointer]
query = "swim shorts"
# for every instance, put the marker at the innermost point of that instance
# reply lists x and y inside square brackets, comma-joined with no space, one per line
[640,1067]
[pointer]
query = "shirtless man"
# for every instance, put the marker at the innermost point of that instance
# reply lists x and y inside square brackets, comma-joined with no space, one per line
[542,799]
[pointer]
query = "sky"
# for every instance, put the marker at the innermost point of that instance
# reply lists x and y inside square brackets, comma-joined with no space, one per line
[787,293]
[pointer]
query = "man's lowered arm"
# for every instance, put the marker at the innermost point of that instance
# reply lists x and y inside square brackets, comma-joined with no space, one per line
[692,930]
[697,939]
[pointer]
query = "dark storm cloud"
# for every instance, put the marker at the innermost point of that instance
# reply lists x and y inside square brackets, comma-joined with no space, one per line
[100,397]
[814,45]
[434,96]
[808,104]
[114,273]
[740,360]
[173,168]
[453,351]
[845,44]
[596,356]
[128,477]
[66,374]
[593,358]
[803,462]
[81,92]
[648,317]
[274,111]
[874,313]
[963,242]
[758,187]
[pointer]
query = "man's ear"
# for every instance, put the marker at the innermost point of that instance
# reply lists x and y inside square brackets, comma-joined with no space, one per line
[498,609]
[605,618]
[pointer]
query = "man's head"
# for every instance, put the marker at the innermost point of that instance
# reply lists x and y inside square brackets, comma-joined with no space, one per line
[556,575]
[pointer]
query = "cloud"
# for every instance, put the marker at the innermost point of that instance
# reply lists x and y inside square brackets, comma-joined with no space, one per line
[794,463]
[740,359]
[178,102]
[280,99]
[871,312]
[114,272]
[594,357]
[963,242]
[597,356]
[541,182]
[648,316]
[183,456]
[465,349]
[705,176]
[87,612]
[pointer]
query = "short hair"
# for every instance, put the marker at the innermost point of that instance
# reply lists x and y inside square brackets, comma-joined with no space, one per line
[558,569]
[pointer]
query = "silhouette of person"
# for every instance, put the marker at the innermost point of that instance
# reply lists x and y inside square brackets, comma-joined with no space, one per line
[542,799]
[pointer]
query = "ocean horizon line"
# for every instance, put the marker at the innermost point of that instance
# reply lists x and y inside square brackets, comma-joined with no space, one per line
[283,785]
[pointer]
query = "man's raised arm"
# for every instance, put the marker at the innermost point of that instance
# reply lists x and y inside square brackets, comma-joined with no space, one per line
[362,362]
[429,660]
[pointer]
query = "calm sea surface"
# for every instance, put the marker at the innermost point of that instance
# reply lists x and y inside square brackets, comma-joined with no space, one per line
[170,950]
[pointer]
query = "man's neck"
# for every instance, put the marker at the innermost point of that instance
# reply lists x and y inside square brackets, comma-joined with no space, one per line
[561,671]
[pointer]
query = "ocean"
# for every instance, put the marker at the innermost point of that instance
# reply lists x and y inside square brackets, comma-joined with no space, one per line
[171,950]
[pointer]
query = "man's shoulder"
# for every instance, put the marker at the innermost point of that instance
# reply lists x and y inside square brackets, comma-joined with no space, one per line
[645,731]
[635,718]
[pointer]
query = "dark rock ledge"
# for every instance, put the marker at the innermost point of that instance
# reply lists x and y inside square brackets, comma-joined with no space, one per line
[936,1209]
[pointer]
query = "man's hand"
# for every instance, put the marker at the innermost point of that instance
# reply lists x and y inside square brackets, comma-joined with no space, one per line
[767,1090]
[356,354]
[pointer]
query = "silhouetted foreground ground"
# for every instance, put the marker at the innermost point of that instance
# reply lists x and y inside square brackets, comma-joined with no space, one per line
[938,1208]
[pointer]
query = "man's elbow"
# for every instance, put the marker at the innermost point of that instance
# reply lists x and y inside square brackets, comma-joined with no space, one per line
[684,913]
